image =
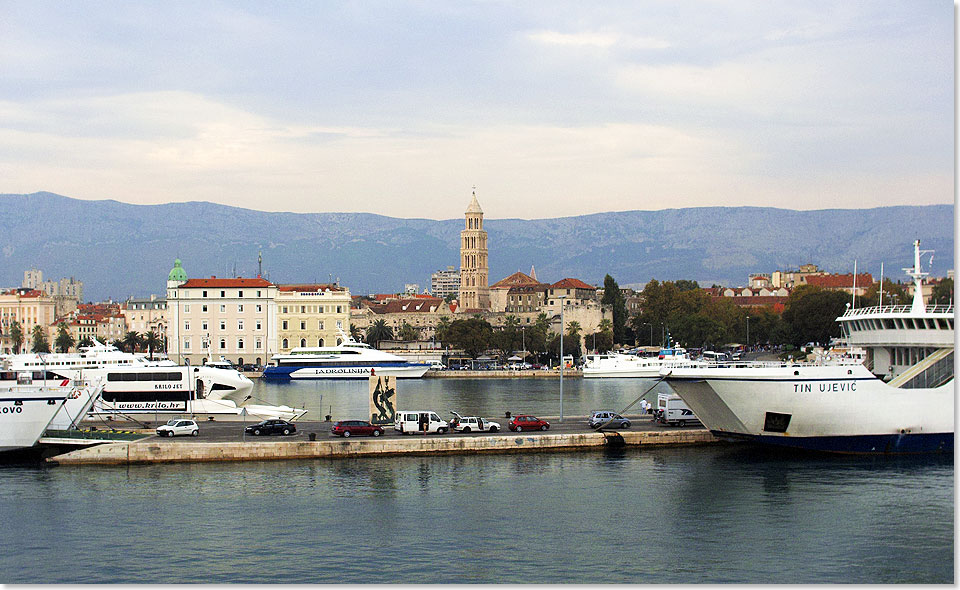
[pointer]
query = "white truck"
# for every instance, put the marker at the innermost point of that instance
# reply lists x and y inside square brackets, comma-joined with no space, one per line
[673,411]
[419,421]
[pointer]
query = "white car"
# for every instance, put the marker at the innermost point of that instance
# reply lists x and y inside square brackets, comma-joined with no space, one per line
[178,426]
[471,423]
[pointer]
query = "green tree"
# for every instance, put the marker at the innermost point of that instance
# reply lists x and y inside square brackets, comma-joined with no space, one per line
[942,292]
[408,332]
[440,332]
[893,294]
[686,285]
[472,335]
[16,337]
[40,342]
[378,331]
[450,297]
[356,333]
[117,343]
[574,329]
[811,314]
[64,338]
[85,341]
[152,342]
[571,346]
[613,297]
[131,341]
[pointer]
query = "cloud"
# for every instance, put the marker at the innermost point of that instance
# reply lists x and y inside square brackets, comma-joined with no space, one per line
[602,40]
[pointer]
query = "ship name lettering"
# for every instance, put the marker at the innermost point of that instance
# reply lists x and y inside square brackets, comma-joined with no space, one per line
[12,410]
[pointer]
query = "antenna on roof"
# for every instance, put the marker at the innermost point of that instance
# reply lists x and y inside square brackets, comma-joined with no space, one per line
[260,263]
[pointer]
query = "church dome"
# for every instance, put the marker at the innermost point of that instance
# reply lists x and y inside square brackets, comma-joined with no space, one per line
[177,273]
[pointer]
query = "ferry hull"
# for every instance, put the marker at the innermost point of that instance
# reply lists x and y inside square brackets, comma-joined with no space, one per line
[883,444]
[413,371]
[23,419]
[836,409]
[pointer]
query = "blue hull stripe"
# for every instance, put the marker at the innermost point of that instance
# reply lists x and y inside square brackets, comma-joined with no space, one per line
[863,444]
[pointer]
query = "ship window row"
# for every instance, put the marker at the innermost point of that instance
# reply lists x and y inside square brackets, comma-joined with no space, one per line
[901,324]
[909,356]
[151,376]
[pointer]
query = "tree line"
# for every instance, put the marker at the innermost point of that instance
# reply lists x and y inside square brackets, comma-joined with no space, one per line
[132,341]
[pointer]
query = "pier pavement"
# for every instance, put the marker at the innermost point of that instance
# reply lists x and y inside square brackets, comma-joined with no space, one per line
[226,441]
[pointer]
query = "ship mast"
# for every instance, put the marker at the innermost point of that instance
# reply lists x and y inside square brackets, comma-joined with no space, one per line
[917,276]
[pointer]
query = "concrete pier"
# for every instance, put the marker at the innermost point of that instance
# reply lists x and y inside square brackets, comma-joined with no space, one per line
[162,451]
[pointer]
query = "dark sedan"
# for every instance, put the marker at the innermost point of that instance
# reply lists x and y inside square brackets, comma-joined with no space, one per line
[347,428]
[274,426]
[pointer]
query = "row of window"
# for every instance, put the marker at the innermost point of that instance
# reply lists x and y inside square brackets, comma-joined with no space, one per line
[899,324]
[204,325]
[241,344]
[303,342]
[312,308]
[224,294]
[223,308]
[151,376]
[285,325]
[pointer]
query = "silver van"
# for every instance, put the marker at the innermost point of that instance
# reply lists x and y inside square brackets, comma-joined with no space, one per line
[409,421]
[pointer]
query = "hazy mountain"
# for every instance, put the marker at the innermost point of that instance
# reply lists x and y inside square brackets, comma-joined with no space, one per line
[119,250]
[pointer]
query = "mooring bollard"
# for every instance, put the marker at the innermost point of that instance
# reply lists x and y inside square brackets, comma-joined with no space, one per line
[313,436]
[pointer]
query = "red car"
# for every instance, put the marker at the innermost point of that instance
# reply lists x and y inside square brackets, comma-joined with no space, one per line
[524,422]
[347,428]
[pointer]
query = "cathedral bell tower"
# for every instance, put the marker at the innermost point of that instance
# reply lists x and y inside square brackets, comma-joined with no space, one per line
[474,291]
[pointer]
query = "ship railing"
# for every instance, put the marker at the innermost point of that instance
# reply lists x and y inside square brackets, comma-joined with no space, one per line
[895,309]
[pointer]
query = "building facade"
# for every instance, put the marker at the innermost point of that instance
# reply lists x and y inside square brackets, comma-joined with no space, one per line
[234,319]
[29,308]
[474,267]
[146,315]
[312,315]
[445,282]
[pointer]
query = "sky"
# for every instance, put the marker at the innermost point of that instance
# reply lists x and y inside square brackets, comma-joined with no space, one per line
[548,109]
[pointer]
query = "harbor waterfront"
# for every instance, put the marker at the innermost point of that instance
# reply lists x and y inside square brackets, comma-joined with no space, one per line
[713,514]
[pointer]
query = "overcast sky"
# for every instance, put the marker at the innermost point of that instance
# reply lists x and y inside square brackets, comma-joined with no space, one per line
[548,108]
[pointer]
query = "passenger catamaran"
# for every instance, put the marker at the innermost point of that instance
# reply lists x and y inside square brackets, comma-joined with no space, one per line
[348,360]
[617,364]
[900,399]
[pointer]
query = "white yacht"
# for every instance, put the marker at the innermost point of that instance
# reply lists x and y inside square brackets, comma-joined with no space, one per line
[629,365]
[97,355]
[27,408]
[348,360]
[899,399]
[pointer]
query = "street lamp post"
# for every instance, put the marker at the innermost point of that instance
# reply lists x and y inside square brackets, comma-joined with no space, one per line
[561,356]
[748,332]
[523,343]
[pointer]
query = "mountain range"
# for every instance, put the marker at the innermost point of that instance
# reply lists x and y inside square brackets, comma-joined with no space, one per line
[120,250]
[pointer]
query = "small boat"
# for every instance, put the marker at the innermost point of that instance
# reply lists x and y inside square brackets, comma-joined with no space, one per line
[630,365]
[890,389]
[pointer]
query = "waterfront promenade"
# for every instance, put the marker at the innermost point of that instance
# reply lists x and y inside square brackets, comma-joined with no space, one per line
[226,442]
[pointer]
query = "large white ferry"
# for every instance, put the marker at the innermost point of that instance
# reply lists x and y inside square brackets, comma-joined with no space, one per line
[348,360]
[138,389]
[630,365]
[842,405]
[27,409]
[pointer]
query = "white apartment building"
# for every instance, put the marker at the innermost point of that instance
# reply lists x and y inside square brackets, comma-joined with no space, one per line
[231,318]
[445,282]
[311,315]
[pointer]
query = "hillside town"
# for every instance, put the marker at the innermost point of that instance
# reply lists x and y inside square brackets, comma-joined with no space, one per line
[248,320]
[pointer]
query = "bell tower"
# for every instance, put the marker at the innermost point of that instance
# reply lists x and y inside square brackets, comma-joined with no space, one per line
[474,269]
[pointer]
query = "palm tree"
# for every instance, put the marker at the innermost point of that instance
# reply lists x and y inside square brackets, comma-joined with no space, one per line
[378,331]
[16,337]
[440,333]
[573,329]
[131,341]
[355,332]
[40,343]
[64,338]
[151,341]
[85,341]
[605,325]
[408,332]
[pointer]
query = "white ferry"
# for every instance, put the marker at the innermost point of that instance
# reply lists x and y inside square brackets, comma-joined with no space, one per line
[88,357]
[27,409]
[630,365]
[348,360]
[842,405]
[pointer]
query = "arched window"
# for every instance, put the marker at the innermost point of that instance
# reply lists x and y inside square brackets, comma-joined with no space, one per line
[286,343]
[303,342]
[320,342]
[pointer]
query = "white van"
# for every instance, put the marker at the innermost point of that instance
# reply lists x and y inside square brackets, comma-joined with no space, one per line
[673,410]
[409,421]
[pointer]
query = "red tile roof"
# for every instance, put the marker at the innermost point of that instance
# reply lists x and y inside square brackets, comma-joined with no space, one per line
[418,305]
[517,278]
[214,282]
[310,288]
[841,281]
[572,284]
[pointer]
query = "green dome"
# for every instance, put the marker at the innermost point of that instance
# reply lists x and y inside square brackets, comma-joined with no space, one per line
[177,273]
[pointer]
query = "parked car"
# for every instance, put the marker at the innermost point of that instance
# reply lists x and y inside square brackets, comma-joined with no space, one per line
[437,366]
[273,426]
[347,428]
[178,426]
[471,423]
[526,422]
[609,419]
[410,421]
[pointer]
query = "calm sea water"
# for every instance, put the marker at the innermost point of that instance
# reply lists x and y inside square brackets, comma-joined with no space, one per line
[710,514]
